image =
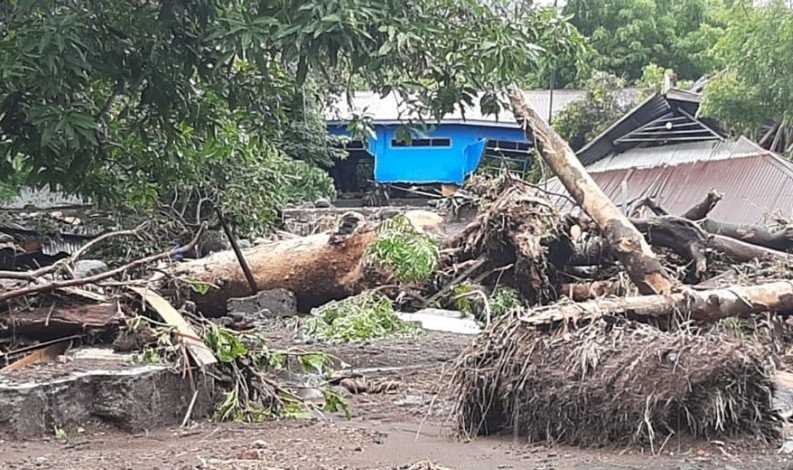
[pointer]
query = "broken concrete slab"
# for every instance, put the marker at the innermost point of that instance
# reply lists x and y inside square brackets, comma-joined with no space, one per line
[449,321]
[101,388]
[263,305]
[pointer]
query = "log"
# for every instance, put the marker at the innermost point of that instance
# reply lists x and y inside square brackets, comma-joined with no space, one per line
[704,305]
[627,243]
[58,321]
[685,238]
[680,235]
[781,239]
[702,209]
[317,268]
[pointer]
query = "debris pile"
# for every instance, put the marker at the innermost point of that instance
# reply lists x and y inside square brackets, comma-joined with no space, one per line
[607,361]
[604,325]
[613,381]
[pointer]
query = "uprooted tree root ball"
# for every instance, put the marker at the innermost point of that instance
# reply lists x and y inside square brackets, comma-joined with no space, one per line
[613,381]
[520,229]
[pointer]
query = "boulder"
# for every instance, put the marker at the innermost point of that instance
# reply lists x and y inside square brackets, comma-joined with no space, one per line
[263,305]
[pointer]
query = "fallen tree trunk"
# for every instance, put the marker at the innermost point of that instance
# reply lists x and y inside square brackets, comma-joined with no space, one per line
[680,235]
[582,291]
[705,305]
[627,243]
[781,239]
[685,238]
[318,268]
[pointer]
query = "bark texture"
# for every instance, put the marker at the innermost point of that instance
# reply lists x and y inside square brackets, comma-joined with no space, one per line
[702,209]
[780,239]
[61,320]
[318,268]
[627,243]
[713,304]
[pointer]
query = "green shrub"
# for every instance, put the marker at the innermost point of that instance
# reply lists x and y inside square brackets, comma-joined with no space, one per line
[409,254]
[359,318]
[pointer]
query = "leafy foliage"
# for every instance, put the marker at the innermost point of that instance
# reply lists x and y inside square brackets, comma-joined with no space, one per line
[359,318]
[504,299]
[219,99]
[409,254]
[583,120]
[627,35]
[250,397]
[755,86]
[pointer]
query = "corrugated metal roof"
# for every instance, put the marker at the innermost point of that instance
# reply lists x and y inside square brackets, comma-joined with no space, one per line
[649,157]
[388,109]
[42,198]
[650,109]
[755,186]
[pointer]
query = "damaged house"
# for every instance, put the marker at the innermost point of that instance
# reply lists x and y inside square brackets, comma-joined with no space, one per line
[445,152]
[662,150]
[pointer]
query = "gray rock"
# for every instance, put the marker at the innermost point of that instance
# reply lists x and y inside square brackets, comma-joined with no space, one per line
[322,203]
[264,304]
[211,242]
[127,396]
[89,267]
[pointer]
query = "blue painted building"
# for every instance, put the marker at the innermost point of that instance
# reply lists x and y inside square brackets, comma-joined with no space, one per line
[448,152]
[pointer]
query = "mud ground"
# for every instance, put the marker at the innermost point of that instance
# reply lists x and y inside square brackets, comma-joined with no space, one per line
[386,431]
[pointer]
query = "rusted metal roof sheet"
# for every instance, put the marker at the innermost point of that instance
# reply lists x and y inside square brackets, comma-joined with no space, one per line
[756,186]
[689,152]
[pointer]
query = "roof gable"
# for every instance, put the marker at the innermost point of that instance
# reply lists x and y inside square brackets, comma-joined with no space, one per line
[659,119]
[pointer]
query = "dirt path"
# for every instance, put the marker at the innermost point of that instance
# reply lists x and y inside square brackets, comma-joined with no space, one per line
[382,434]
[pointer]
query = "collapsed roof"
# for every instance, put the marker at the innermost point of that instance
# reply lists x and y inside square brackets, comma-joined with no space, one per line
[661,149]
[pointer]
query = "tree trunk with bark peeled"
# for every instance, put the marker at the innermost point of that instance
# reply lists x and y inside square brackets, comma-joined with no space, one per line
[702,305]
[628,245]
[318,268]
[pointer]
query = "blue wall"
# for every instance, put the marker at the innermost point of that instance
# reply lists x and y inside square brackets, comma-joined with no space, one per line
[450,164]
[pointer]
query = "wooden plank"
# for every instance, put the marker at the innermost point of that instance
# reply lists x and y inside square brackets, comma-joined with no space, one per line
[201,353]
[59,320]
[45,354]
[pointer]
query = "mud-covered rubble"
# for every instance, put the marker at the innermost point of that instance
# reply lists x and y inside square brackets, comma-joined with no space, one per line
[98,388]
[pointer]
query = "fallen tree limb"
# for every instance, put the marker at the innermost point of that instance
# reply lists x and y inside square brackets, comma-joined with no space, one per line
[583,291]
[60,320]
[680,235]
[34,275]
[627,244]
[702,209]
[58,284]
[705,305]
[651,204]
[781,239]
[685,238]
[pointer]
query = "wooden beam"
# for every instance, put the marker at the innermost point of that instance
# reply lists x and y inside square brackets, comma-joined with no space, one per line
[202,355]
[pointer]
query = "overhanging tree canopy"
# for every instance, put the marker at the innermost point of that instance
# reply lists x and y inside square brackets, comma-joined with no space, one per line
[122,99]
